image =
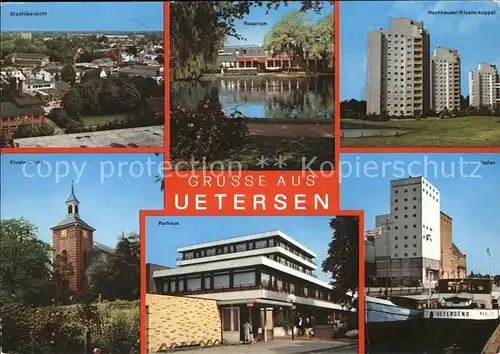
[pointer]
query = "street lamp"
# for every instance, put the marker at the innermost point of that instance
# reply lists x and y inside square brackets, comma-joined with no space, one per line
[291,299]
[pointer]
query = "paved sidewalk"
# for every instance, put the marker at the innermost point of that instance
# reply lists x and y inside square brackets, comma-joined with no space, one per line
[280,347]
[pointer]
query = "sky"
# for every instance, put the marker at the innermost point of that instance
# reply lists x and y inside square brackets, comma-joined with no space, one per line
[83,16]
[474,36]
[470,195]
[110,197]
[313,232]
[254,35]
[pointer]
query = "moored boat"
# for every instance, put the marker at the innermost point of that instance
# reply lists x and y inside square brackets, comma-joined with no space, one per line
[465,316]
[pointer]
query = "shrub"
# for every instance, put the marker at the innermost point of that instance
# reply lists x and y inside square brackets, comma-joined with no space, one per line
[120,335]
[207,132]
[114,327]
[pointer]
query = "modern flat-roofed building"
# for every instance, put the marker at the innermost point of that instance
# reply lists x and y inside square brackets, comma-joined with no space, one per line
[253,278]
[445,80]
[398,69]
[484,86]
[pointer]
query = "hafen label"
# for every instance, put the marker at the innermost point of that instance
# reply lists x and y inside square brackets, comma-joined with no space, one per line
[462,314]
[452,313]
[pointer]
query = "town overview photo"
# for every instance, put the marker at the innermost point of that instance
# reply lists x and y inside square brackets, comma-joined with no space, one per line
[264,76]
[252,284]
[432,276]
[70,78]
[420,74]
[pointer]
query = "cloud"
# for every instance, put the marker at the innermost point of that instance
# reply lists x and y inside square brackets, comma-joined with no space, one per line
[463,25]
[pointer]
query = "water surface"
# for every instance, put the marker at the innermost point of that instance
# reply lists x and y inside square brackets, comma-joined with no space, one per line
[262,97]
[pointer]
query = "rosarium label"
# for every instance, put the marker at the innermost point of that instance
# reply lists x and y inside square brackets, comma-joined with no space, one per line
[462,314]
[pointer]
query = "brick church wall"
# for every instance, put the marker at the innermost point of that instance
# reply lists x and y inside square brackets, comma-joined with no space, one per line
[76,247]
[177,320]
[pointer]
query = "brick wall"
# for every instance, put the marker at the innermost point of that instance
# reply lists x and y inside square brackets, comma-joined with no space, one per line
[174,321]
[448,271]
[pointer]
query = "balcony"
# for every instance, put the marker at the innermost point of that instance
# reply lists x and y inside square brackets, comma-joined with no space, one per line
[250,287]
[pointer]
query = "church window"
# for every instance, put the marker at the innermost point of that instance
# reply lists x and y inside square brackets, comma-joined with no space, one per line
[64,255]
[70,209]
[76,209]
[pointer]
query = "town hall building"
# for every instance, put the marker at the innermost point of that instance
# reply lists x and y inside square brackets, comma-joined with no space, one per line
[73,239]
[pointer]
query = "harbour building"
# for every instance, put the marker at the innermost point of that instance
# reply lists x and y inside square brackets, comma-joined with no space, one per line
[408,250]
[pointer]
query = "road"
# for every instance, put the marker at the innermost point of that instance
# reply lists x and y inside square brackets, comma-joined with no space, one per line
[57,129]
[280,347]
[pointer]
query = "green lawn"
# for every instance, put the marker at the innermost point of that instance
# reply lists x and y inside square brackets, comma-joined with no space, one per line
[432,132]
[90,121]
[292,149]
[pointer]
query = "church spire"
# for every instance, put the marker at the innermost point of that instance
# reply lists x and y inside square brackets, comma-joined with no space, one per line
[72,202]
[72,197]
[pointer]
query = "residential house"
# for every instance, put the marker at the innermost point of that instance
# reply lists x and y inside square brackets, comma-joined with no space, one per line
[126,57]
[8,73]
[32,86]
[156,73]
[103,63]
[115,56]
[98,73]
[30,59]
[43,75]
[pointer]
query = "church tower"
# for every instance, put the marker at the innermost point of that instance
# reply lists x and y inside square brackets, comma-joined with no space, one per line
[73,239]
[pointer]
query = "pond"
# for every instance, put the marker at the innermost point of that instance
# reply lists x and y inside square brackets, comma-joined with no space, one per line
[262,97]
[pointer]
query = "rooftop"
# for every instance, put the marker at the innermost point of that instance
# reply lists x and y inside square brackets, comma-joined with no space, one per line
[9,109]
[122,138]
[72,219]
[246,238]
[31,55]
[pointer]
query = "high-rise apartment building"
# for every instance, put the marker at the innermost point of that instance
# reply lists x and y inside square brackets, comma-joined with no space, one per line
[445,80]
[484,86]
[409,248]
[398,69]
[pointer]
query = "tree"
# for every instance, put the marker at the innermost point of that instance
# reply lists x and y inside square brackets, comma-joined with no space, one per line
[291,36]
[342,260]
[45,129]
[62,270]
[68,74]
[23,131]
[25,269]
[72,102]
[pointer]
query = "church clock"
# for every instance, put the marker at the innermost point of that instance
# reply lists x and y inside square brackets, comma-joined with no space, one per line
[64,232]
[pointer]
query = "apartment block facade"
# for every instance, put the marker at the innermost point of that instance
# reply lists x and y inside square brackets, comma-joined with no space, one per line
[398,72]
[484,86]
[445,80]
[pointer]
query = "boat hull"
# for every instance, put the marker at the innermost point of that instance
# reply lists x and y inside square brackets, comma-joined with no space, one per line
[393,329]
[383,313]
[469,330]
